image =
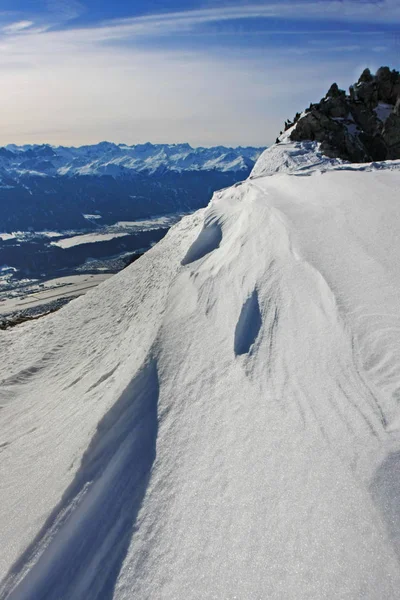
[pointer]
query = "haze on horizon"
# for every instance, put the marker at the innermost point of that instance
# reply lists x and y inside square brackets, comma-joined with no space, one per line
[170,71]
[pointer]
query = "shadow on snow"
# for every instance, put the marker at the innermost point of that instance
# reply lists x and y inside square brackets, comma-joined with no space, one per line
[81,548]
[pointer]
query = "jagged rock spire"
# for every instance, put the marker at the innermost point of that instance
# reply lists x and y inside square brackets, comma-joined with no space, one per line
[363,126]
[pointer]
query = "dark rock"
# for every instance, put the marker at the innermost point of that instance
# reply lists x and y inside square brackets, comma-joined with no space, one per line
[391,136]
[363,126]
[365,76]
[334,91]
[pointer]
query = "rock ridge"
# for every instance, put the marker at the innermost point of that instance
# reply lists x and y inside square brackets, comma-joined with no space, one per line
[361,126]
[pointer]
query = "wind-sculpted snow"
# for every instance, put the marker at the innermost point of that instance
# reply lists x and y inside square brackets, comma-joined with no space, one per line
[248,325]
[305,158]
[99,508]
[221,419]
[209,239]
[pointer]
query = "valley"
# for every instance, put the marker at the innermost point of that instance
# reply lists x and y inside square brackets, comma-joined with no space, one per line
[90,211]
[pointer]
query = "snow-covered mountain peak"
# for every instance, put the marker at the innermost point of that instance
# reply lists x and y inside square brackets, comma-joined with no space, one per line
[121,160]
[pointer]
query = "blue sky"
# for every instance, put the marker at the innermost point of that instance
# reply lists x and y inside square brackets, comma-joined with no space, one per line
[212,72]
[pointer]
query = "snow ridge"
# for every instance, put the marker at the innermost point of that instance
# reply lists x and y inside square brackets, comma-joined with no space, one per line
[305,158]
[220,419]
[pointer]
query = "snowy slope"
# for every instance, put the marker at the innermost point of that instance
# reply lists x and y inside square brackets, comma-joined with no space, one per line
[305,158]
[221,419]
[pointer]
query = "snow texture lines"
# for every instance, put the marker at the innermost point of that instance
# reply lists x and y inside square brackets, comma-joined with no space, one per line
[91,528]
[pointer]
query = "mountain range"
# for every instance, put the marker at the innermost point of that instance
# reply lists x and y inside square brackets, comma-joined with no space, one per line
[120,160]
[47,187]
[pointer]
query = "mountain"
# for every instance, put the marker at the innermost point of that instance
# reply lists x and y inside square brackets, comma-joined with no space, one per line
[363,126]
[121,160]
[53,188]
[220,419]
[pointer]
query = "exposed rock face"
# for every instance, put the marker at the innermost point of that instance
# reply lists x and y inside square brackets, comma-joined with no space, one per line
[363,126]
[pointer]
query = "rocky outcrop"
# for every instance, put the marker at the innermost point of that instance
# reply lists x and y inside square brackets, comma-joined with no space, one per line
[361,126]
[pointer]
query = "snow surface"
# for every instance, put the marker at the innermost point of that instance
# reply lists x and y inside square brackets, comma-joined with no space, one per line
[49,234]
[221,419]
[383,111]
[86,238]
[47,291]
[23,235]
[306,158]
[7,236]
[148,224]
[290,157]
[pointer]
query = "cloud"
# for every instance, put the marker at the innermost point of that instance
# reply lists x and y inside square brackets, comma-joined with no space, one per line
[362,11]
[65,10]
[164,24]
[126,94]
[17,27]
[168,24]
[83,85]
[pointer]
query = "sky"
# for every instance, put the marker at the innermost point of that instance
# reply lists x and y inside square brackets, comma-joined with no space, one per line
[206,72]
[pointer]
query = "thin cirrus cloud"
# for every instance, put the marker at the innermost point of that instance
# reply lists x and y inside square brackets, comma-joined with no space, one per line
[65,10]
[74,85]
[17,27]
[351,11]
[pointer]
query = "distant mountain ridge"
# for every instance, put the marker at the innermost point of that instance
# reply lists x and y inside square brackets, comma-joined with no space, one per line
[121,160]
[45,187]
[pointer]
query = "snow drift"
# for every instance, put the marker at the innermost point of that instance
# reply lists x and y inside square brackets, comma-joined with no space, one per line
[221,419]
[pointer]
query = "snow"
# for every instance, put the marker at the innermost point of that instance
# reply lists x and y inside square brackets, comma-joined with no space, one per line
[8,236]
[49,234]
[87,238]
[7,269]
[306,158]
[114,231]
[383,111]
[122,160]
[50,290]
[21,235]
[152,223]
[292,157]
[6,273]
[349,123]
[220,419]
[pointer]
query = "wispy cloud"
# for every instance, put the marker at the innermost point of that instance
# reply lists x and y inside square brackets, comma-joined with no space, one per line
[362,11]
[350,11]
[127,94]
[101,81]
[17,27]
[153,25]
[65,10]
